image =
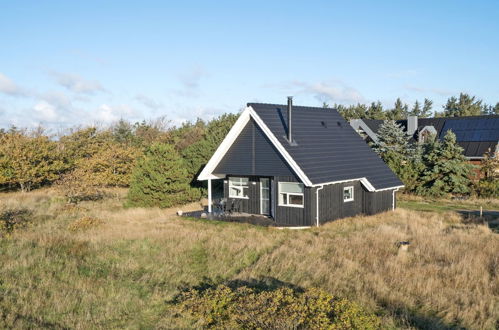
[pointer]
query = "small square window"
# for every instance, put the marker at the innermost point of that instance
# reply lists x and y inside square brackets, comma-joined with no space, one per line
[348,194]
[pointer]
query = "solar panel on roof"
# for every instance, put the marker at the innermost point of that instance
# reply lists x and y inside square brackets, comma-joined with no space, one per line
[473,130]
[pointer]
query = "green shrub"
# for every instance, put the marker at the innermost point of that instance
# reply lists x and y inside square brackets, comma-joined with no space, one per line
[249,308]
[160,179]
[487,188]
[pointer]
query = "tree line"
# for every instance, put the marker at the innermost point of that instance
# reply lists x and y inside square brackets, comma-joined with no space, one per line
[160,162]
[462,105]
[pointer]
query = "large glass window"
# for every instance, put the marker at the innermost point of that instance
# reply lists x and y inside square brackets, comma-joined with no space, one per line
[290,194]
[348,194]
[238,187]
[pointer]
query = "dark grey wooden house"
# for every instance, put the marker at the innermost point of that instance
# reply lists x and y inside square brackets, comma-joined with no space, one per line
[301,166]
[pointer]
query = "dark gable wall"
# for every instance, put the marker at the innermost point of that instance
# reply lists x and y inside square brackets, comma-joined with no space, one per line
[253,154]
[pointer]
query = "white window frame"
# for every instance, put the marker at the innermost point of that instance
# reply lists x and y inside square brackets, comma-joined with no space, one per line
[351,199]
[234,179]
[290,194]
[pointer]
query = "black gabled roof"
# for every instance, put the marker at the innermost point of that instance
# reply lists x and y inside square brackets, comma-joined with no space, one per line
[475,134]
[328,149]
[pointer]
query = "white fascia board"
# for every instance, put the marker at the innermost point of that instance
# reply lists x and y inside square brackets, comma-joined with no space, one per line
[287,157]
[207,172]
[390,188]
[364,182]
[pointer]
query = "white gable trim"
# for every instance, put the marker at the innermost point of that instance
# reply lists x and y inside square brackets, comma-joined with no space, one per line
[207,172]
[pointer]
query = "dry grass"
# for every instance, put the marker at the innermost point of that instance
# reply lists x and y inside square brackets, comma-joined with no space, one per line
[120,273]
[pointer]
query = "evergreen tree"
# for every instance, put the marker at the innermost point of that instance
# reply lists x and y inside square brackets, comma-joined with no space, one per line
[375,111]
[391,138]
[466,105]
[427,107]
[160,179]
[399,111]
[393,147]
[446,170]
[416,109]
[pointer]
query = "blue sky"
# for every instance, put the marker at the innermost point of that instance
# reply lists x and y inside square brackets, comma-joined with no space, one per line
[64,63]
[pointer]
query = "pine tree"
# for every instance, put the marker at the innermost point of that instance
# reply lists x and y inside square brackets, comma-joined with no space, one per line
[393,147]
[466,105]
[399,110]
[427,106]
[391,138]
[375,111]
[446,170]
[416,109]
[160,179]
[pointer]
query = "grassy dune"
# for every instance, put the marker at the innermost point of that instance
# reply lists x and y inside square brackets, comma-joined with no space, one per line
[122,272]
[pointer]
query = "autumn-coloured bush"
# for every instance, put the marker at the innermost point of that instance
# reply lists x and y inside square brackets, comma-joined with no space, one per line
[282,308]
[76,188]
[12,219]
[85,223]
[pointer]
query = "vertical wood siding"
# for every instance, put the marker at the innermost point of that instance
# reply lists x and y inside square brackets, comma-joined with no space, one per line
[376,202]
[293,216]
[332,206]
[253,154]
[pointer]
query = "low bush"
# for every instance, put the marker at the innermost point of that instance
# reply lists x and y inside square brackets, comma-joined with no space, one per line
[12,219]
[249,308]
[85,223]
[76,189]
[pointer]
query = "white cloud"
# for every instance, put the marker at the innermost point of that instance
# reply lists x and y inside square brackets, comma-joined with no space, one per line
[108,114]
[45,111]
[149,102]
[438,91]
[7,86]
[76,83]
[326,91]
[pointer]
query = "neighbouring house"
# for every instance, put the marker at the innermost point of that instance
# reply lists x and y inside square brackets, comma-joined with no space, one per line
[300,166]
[476,134]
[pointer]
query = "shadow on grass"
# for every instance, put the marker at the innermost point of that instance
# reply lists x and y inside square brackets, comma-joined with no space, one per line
[490,218]
[405,317]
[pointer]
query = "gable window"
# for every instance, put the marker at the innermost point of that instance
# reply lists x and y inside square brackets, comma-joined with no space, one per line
[291,194]
[238,187]
[348,194]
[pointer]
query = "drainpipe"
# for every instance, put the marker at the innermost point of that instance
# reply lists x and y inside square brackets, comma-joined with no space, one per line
[209,195]
[317,201]
[393,198]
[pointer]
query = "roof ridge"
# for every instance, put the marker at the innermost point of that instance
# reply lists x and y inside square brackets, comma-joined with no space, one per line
[285,106]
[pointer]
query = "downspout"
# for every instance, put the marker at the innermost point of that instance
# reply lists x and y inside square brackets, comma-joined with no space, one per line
[393,198]
[317,202]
